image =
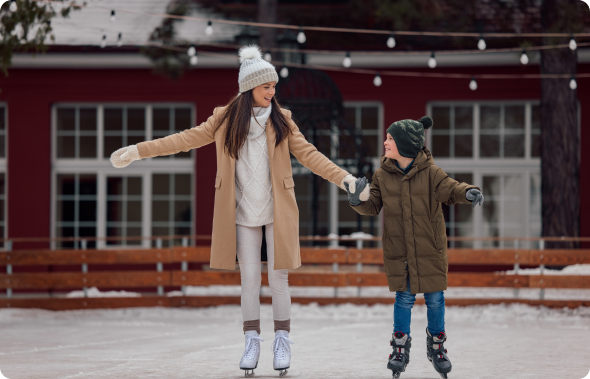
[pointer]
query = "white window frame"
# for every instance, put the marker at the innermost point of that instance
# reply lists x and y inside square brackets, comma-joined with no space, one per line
[103,168]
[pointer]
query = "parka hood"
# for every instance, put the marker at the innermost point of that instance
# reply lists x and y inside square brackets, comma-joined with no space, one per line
[423,160]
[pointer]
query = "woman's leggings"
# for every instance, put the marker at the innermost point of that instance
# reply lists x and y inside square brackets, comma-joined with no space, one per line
[249,243]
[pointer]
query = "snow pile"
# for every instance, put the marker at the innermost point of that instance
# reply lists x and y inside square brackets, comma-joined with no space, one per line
[577,269]
[95,292]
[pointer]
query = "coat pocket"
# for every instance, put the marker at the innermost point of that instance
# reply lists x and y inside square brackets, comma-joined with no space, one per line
[217,182]
[435,232]
[289,183]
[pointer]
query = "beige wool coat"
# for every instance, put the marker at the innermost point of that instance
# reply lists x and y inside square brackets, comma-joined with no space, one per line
[286,213]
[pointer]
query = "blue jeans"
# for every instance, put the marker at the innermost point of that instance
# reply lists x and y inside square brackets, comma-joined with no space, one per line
[435,313]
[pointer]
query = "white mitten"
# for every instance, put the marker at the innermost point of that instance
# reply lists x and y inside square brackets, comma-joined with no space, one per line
[351,180]
[124,156]
[365,193]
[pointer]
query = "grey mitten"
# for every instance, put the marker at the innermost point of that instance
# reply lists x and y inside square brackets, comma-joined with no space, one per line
[475,196]
[353,198]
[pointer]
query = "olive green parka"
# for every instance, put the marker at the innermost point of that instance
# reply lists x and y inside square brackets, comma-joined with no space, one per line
[414,237]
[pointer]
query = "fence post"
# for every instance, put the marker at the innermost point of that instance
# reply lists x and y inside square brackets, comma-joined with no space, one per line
[83,245]
[542,268]
[359,266]
[8,246]
[184,265]
[159,266]
[516,266]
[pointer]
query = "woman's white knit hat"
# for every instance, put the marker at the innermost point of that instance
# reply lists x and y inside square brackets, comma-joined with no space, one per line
[254,70]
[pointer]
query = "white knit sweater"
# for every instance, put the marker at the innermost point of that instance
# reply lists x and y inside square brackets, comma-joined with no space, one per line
[254,202]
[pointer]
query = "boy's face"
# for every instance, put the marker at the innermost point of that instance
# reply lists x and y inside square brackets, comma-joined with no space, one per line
[390,147]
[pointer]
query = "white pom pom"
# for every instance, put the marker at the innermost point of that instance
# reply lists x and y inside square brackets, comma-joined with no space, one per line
[249,52]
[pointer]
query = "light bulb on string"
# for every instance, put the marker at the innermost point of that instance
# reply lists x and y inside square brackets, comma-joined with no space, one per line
[194,60]
[481,44]
[192,51]
[377,80]
[573,44]
[301,38]
[524,58]
[347,62]
[573,83]
[284,72]
[391,41]
[120,40]
[432,61]
[473,84]
[113,16]
[267,56]
[103,42]
[209,28]
[13,6]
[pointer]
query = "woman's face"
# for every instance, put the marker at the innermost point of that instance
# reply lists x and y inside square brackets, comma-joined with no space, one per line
[390,147]
[263,94]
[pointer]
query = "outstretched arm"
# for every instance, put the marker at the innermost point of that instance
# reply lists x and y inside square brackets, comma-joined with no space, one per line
[449,191]
[183,141]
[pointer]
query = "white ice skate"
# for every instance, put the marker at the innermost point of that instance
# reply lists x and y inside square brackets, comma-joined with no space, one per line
[251,353]
[282,352]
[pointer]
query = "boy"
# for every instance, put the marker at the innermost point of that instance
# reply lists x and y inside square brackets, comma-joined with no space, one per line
[410,189]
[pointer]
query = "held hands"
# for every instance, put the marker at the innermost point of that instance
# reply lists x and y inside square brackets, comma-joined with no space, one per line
[124,156]
[359,196]
[475,196]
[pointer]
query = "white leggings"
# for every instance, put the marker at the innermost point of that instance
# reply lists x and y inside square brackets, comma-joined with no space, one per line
[249,243]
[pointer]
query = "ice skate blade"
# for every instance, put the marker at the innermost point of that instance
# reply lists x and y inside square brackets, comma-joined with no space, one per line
[248,373]
[282,373]
[444,376]
[396,374]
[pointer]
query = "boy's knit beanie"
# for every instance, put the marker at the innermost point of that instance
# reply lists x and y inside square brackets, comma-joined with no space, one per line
[254,70]
[409,135]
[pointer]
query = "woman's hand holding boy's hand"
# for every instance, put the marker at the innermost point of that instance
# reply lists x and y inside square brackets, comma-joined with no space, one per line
[124,156]
[475,196]
[359,196]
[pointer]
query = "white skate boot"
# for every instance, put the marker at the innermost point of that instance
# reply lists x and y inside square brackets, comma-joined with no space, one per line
[251,353]
[282,352]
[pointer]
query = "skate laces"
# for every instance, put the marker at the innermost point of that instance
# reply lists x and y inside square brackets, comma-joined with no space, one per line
[280,345]
[251,346]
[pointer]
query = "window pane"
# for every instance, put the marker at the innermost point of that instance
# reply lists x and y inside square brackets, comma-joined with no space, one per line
[369,118]
[490,117]
[160,184]
[87,184]
[88,119]
[2,183]
[182,119]
[489,146]
[66,119]
[536,145]
[66,210]
[182,155]
[182,211]
[464,118]
[134,211]
[66,147]
[346,146]
[514,117]
[87,211]
[134,140]
[66,185]
[114,211]
[463,145]
[113,119]
[160,211]
[87,147]
[371,146]
[134,232]
[463,213]
[350,116]
[514,146]
[440,146]
[134,186]
[2,146]
[441,117]
[161,119]
[182,184]
[136,119]
[535,117]
[112,144]
[114,186]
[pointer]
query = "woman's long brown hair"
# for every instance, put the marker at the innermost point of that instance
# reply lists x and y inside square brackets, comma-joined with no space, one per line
[238,113]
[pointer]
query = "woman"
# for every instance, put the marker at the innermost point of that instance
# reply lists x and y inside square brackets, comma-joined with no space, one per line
[254,137]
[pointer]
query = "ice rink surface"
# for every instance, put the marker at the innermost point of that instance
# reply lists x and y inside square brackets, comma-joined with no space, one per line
[346,341]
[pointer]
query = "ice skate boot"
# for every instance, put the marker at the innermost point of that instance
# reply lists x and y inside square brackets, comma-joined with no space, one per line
[400,357]
[282,352]
[249,360]
[437,354]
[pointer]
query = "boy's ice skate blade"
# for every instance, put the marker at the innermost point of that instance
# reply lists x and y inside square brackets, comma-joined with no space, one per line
[282,352]
[437,354]
[400,357]
[251,354]
[283,373]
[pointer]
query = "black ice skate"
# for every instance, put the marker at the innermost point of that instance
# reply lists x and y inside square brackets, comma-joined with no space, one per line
[437,354]
[400,357]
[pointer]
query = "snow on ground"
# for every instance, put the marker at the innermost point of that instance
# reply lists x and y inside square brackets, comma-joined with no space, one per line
[339,341]
[577,269]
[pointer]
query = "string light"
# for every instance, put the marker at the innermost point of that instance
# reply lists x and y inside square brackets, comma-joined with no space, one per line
[573,83]
[573,44]
[103,42]
[192,51]
[524,58]
[267,56]
[432,61]
[13,6]
[391,41]
[481,44]
[301,38]
[284,72]
[209,28]
[120,40]
[194,60]
[113,15]
[347,62]
[473,84]
[377,81]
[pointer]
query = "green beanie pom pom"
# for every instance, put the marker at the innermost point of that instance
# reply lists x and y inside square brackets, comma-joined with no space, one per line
[426,122]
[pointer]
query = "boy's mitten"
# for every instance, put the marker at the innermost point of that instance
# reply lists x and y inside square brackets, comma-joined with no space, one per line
[124,156]
[354,198]
[475,196]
